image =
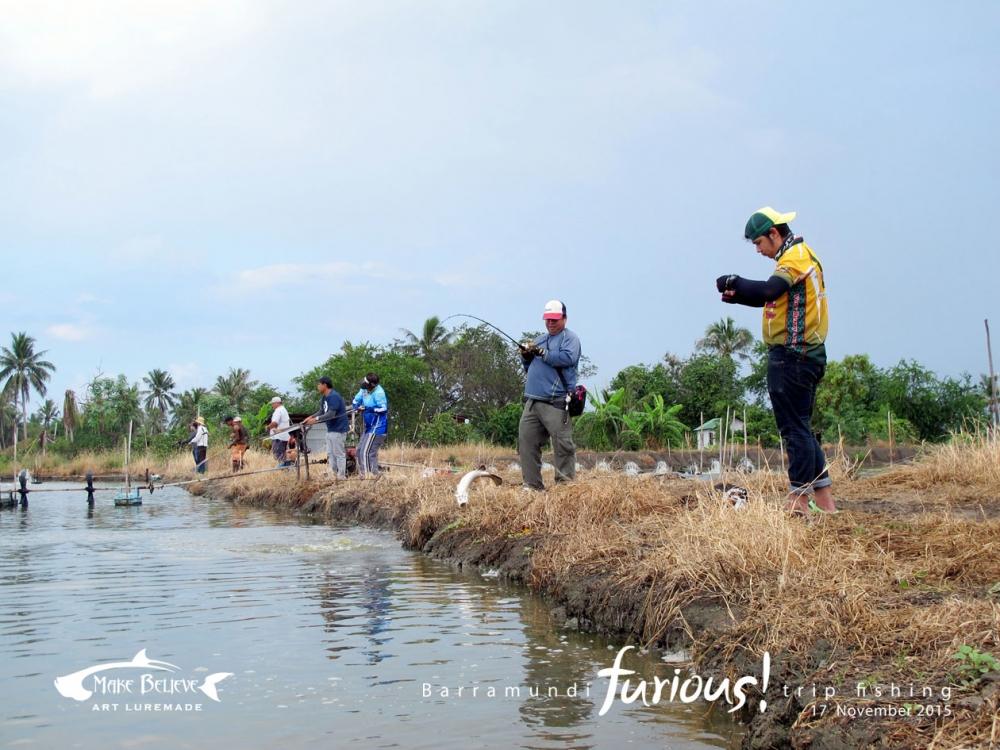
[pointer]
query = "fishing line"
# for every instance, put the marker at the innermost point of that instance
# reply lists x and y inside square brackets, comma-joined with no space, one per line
[484,322]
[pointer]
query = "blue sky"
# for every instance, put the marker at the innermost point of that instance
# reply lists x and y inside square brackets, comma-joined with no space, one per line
[175,176]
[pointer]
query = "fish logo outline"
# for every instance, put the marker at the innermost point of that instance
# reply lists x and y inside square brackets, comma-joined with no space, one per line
[71,685]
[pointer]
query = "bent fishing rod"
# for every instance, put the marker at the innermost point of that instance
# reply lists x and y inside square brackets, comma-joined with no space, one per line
[484,322]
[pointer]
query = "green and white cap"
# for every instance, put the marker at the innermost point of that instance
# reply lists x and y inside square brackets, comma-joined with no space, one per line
[761,221]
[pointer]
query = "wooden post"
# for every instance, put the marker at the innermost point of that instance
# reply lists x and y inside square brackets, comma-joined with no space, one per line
[744,433]
[305,444]
[781,447]
[298,459]
[890,436]
[722,441]
[701,448]
[994,404]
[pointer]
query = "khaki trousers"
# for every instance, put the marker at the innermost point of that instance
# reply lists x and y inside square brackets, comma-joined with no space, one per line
[540,422]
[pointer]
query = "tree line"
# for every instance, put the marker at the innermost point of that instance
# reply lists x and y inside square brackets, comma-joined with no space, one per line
[465,383]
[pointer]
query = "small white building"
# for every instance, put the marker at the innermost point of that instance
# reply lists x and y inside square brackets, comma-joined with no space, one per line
[708,433]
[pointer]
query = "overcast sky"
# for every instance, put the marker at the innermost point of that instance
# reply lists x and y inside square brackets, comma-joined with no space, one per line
[177,176]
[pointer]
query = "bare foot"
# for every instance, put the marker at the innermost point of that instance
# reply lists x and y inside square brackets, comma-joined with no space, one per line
[824,499]
[797,504]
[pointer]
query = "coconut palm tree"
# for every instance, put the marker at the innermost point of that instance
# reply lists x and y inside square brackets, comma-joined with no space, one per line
[48,413]
[71,416]
[24,370]
[431,346]
[187,406]
[433,336]
[726,339]
[8,415]
[159,396]
[235,385]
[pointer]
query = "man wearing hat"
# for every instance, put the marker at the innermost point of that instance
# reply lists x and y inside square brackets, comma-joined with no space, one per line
[550,362]
[238,443]
[333,411]
[199,444]
[280,421]
[795,325]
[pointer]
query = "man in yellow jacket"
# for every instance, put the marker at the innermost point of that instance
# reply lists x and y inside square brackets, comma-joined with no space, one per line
[795,325]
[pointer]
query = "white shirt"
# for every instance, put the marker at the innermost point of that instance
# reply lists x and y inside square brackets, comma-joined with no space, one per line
[200,439]
[280,417]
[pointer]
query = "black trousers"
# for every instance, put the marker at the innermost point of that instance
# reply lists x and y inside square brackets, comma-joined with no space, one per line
[792,379]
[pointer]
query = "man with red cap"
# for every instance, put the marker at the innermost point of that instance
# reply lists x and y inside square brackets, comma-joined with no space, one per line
[550,362]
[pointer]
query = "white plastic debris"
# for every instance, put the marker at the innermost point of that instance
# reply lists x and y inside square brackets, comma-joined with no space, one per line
[661,469]
[462,491]
[631,469]
[603,465]
[737,497]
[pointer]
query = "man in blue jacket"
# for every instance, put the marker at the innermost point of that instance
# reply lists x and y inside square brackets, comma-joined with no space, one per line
[550,362]
[333,412]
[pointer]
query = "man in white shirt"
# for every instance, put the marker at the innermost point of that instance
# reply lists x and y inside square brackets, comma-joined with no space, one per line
[279,421]
[199,444]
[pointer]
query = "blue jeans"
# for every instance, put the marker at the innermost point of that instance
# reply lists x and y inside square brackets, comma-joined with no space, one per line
[792,379]
[200,453]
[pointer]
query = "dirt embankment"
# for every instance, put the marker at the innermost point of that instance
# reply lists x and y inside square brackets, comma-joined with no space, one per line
[862,598]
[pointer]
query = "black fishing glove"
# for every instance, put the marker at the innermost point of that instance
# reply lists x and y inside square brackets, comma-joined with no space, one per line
[725,282]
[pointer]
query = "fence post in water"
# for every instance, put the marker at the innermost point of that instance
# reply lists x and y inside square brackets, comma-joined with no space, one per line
[22,480]
[90,489]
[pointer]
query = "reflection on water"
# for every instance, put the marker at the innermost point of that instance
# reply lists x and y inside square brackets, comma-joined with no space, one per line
[334,635]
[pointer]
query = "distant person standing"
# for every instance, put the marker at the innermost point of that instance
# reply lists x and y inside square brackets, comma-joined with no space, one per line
[280,421]
[550,362]
[795,326]
[374,407]
[333,411]
[239,441]
[199,444]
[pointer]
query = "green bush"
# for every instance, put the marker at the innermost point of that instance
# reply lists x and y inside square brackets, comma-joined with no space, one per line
[500,425]
[443,430]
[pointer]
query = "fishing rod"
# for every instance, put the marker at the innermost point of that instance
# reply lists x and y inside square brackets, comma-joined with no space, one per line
[328,417]
[486,323]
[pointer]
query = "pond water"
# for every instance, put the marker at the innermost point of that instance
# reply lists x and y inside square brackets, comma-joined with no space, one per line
[322,634]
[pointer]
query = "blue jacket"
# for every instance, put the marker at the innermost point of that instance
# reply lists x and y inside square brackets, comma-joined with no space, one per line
[376,409]
[334,402]
[561,350]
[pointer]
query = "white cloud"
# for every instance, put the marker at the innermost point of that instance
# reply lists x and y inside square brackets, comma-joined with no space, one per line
[268,278]
[70,331]
[185,374]
[110,47]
